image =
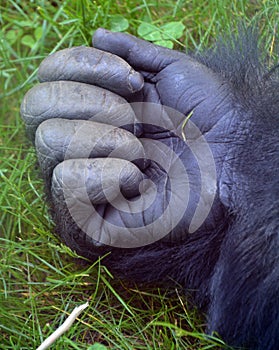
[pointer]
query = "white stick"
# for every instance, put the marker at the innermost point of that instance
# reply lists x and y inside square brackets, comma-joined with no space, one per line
[64,327]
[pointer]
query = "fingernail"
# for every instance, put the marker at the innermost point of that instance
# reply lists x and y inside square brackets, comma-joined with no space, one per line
[98,36]
[135,81]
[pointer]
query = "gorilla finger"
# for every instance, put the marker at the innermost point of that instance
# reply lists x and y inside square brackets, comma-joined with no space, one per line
[91,66]
[60,139]
[140,54]
[73,100]
[90,194]
[96,181]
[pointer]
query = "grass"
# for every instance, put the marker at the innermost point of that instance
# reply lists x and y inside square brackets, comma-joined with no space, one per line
[41,280]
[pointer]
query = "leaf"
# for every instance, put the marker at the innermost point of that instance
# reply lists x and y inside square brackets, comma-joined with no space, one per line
[28,40]
[118,23]
[149,32]
[165,43]
[13,34]
[27,23]
[172,30]
[97,346]
[38,32]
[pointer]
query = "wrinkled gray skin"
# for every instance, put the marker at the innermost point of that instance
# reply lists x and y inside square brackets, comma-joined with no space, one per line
[86,83]
[93,150]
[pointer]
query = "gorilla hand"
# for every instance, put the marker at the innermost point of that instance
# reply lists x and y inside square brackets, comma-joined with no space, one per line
[197,198]
[127,175]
